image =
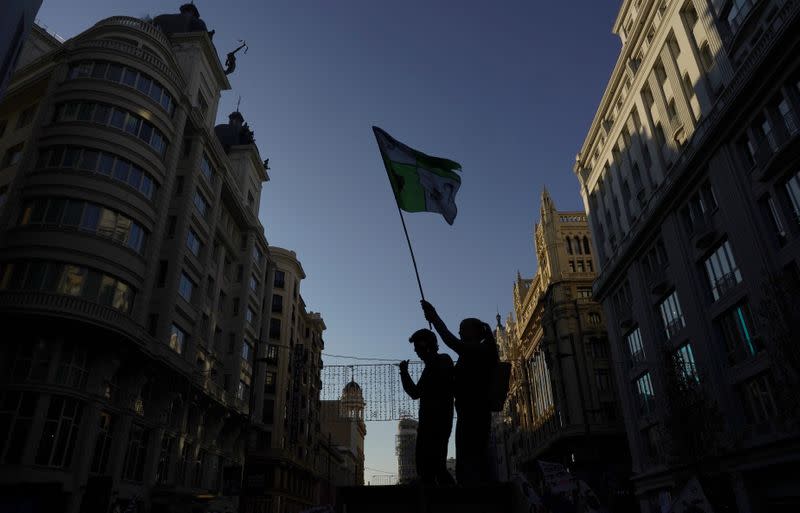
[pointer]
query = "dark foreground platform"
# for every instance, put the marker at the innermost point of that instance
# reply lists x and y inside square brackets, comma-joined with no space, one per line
[494,498]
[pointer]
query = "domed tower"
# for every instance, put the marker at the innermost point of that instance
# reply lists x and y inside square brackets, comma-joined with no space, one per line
[352,401]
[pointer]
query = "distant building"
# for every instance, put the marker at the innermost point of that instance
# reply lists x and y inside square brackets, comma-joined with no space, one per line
[343,422]
[290,446]
[689,175]
[562,405]
[16,22]
[405,449]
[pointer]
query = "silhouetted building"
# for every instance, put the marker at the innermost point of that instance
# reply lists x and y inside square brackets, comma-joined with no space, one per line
[405,448]
[137,281]
[16,22]
[562,405]
[689,175]
[342,420]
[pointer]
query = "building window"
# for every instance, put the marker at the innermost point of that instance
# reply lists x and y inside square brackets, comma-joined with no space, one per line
[107,164]
[651,438]
[242,390]
[114,73]
[585,292]
[135,453]
[207,169]
[569,245]
[699,207]
[247,351]
[186,287]
[706,59]
[68,280]
[272,353]
[161,278]
[269,382]
[119,118]
[758,399]
[165,459]
[16,415]
[572,266]
[684,358]
[721,270]
[672,315]
[72,366]
[250,315]
[13,155]
[257,254]
[793,190]
[60,432]
[635,346]
[581,266]
[3,195]
[586,248]
[789,120]
[177,339]
[193,242]
[599,347]
[280,277]
[594,319]
[102,445]
[739,9]
[275,328]
[645,395]
[253,283]
[26,116]
[86,217]
[602,379]
[736,326]
[200,203]
[277,303]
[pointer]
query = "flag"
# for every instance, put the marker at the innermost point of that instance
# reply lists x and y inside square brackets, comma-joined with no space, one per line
[421,183]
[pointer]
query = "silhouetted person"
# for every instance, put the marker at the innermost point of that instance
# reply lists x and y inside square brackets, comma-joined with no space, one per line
[435,393]
[477,359]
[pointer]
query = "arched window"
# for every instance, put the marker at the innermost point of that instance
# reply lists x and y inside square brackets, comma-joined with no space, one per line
[578,246]
[586,245]
[705,57]
[569,246]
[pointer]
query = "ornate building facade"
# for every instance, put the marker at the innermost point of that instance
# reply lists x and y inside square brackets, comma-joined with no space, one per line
[343,424]
[136,284]
[562,404]
[289,466]
[689,175]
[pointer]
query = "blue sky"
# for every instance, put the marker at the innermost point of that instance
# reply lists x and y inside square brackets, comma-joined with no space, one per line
[506,88]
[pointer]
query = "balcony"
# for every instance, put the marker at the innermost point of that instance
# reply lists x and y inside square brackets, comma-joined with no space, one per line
[778,149]
[703,231]
[725,283]
[674,327]
[71,307]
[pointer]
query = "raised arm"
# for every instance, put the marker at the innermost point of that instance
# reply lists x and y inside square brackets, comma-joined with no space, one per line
[448,338]
[411,388]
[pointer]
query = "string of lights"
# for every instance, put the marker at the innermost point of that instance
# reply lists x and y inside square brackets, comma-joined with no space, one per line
[380,385]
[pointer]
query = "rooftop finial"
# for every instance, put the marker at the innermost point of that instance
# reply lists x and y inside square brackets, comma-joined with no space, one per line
[238,103]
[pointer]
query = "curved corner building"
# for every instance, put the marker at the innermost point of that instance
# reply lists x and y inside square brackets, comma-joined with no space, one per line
[133,272]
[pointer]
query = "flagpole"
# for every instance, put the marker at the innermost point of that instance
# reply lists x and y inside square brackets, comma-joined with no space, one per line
[410,249]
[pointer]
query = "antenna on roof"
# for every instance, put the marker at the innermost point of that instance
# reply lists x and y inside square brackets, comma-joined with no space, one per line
[238,103]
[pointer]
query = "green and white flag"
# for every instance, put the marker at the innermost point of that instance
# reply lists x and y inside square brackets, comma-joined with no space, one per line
[421,183]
